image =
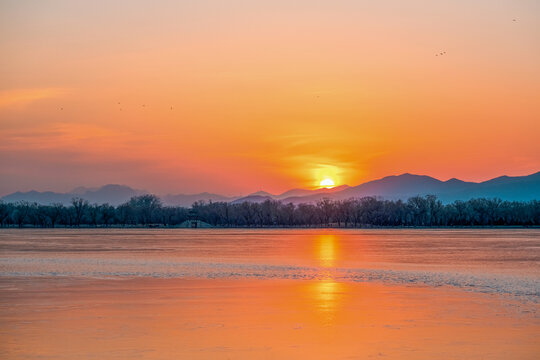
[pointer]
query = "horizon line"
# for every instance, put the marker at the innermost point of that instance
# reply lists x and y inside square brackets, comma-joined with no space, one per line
[95,188]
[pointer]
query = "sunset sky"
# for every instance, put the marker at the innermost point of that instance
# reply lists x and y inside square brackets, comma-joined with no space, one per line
[237,96]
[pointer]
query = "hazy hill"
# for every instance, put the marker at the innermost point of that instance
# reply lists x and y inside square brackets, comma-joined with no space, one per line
[518,188]
[252,199]
[306,192]
[112,194]
[44,198]
[262,193]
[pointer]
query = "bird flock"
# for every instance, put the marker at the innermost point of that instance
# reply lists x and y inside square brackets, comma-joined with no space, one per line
[442,53]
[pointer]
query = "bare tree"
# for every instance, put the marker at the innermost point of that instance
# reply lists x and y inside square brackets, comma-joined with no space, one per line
[54,212]
[79,205]
[20,213]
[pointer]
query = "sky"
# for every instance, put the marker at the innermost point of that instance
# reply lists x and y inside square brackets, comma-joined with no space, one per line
[235,96]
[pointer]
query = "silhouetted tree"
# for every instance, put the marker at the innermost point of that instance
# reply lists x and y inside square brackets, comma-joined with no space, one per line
[4,212]
[54,212]
[107,213]
[367,211]
[93,214]
[145,207]
[79,207]
[20,213]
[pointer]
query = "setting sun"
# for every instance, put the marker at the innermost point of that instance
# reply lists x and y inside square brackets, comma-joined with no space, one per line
[327,183]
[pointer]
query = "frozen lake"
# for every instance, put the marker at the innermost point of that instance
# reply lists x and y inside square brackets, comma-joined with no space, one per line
[269,293]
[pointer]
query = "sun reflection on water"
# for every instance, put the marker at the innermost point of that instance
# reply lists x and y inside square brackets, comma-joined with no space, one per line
[326,292]
[326,250]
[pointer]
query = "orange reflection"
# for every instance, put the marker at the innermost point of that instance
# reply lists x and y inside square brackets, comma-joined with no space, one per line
[204,319]
[327,295]
[326,250]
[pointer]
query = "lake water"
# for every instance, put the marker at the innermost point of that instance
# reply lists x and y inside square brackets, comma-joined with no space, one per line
[269,294]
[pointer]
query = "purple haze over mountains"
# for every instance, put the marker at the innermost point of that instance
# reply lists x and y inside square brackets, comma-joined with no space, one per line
[517,188]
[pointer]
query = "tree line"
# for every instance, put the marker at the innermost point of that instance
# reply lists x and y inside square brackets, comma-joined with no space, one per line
[148,210]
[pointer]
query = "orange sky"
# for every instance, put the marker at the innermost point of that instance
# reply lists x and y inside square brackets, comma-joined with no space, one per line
[266,94]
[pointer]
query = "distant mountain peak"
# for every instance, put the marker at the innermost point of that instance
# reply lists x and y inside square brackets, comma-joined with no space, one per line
[454,180]
[113,194]
[261,193]
[114,186]
[252,199]
[514,188]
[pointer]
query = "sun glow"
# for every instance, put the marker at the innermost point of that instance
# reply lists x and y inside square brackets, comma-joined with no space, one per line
[327,183]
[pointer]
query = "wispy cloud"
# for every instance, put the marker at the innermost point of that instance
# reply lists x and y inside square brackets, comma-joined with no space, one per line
[17,97]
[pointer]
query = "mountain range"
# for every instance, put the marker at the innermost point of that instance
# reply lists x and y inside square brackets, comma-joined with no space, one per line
[112,194]
[516,188]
